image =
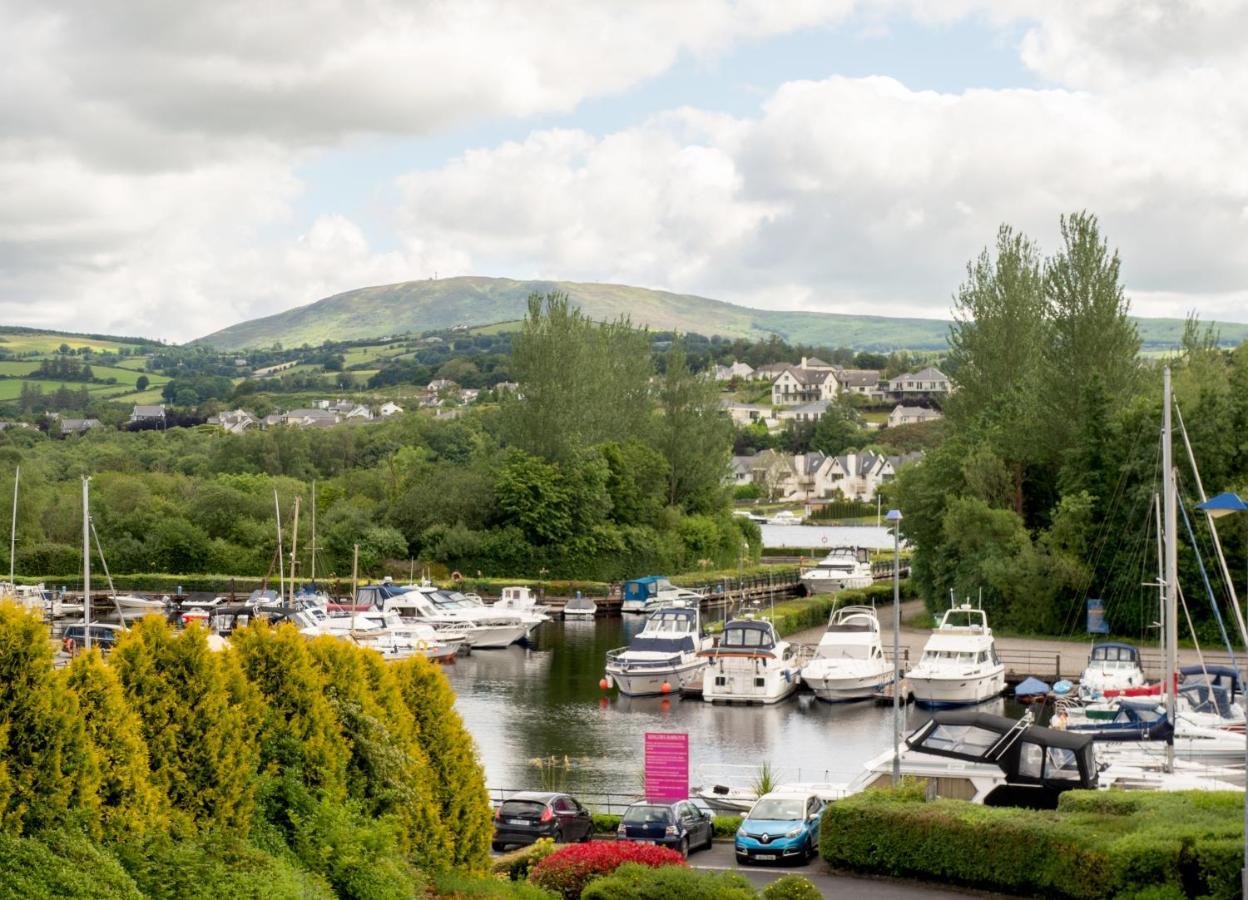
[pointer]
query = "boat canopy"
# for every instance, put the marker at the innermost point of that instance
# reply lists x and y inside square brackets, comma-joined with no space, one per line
[1134,721]
[853,618]
[747,634]
[1030,686]
[1210,688]
[1026,753]
[581,603]
[648,643]
[642,588]
[1219,676]
[1112,651]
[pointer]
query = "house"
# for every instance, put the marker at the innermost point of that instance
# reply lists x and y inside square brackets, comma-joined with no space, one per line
[803,385]
[390,408]
[272,420]
[79,426]
[741,469]
[857,476]
[735,370]
[807,412]
[910,415]
[926,381]
[310,418]
[438,385]
[815,364]
[506,387]
[148,415]
[469,395]
[771,370]
[743,413]
[234,422]
[860,381]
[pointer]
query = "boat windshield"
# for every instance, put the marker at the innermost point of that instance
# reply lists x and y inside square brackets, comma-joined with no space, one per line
[775,809]
[955,656]
[748,635]
[445,600]
[670,621]
[967,740]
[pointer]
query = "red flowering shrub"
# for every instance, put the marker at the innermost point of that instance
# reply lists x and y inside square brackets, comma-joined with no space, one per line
[567,871]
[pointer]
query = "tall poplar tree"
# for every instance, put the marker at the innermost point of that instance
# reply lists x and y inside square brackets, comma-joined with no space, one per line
[694,435]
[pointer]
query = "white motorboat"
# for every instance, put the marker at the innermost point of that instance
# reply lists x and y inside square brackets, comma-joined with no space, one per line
[645,595]
[959,665]
[849,663]
[663,657]
[580,608]
[785,517]
[843,569]
[1111,667]
[521,599]
[387,633]
[453,617]
[750,664]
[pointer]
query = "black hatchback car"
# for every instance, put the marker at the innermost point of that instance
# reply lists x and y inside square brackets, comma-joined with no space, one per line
[523,818]
[678,826]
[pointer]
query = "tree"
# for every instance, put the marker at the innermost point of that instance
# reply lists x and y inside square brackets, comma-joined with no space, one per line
[694,435]
[836,431]
[459,780]
[581,382]
[141,383]
[48,775]
[129,804]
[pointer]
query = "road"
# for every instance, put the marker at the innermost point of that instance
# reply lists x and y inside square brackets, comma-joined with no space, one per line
[721,858]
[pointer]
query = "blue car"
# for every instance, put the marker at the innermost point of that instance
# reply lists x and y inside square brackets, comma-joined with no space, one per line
[679,826]
[782,826]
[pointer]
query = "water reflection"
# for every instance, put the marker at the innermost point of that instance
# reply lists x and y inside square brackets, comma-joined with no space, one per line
[544,700]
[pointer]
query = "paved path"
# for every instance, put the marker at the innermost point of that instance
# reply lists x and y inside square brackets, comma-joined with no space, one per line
[721,858]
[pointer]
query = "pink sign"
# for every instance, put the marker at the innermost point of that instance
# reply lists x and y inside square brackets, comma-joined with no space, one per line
[667,766]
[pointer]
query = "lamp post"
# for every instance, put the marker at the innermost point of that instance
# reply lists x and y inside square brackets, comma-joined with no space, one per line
[894,517]
[1215,508]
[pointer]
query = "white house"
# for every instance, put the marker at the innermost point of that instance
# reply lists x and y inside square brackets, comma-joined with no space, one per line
[860,381]
[735,370]
[310,418]
[390,408]
[744,413]
[796,385]
[807,412]
[910,415]
[235,421]
[925,381]
[152,415]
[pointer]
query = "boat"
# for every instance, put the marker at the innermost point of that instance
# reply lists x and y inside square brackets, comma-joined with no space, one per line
[785,517]
[663,657]
[750,664]
[645,595]
[532,615]
[453,617]
[387,633]
[849,663]
[580,608]
[999,761]
[1112,667]
[521,599]
[845,568]
[959,665]
[1031,690]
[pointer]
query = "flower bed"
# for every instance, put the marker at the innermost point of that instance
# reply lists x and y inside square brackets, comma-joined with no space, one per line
[569,870]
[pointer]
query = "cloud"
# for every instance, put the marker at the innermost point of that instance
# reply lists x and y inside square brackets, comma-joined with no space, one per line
[148,154]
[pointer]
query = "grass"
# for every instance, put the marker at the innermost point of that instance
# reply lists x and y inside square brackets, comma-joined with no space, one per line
[15,367]
[23,342]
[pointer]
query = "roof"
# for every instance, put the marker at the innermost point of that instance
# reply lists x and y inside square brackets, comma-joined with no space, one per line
[148,411]
[815,407]
[539,796]
[858,377]
[809,376]
[816,361]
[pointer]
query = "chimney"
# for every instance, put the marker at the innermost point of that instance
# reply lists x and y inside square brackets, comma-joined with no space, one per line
[803,362]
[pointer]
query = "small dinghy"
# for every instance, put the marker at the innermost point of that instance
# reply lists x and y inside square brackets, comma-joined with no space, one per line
[1031,690]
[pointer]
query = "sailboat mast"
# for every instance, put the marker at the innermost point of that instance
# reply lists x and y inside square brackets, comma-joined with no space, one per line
[17,477]
[1161,570]
[1171,516]
[294,544]
[281,558]
[313,576]
[86,564]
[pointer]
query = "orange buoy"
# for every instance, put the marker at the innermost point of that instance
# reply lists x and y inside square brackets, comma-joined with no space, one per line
[604,684]
[665,688]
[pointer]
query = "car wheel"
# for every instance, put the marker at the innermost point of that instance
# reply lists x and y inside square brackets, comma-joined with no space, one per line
[684,847]
[710,839]
[497,847]
[809,852]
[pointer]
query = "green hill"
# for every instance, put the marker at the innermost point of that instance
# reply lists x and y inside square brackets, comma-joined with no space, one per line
[418,306]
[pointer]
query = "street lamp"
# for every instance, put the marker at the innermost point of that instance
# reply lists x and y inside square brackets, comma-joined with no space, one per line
[894,518]
[1216,508]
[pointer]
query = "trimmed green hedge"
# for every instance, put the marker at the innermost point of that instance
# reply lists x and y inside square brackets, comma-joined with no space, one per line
[1096,844]
[633,882]
[792,616]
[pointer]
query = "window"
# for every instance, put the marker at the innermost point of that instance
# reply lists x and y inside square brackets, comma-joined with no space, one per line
[563,805]
[646,815]
[1062,764]
[970,740]
[760,682]
[1030,760]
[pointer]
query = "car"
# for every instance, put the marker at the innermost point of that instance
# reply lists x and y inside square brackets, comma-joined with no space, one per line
[679,825]
[524,817]
[103,637]
[782,826]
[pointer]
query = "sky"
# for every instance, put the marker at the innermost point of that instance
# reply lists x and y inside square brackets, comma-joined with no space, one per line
[170,169]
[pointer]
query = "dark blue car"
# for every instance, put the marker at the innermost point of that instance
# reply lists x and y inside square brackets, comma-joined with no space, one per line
[679,826]
[782,826]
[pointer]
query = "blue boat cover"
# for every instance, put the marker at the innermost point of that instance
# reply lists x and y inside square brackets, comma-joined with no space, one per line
[1062,687]
[1030,687]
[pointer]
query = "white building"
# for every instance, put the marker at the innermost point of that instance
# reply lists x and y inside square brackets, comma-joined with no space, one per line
[925,381]
[910,415]
[390,408]
[807,412]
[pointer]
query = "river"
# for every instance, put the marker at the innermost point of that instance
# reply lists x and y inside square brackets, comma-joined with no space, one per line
[543,700]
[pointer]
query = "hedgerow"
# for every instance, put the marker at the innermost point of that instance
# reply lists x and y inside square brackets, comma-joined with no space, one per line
[1096,844]
[641,882]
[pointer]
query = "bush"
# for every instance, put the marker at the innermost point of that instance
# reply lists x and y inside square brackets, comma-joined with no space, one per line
[605,824]
[568,870]
[638,882]
[460,885]
[726,826]
[517,864]
[1095,844]
[791,887]
[76,868]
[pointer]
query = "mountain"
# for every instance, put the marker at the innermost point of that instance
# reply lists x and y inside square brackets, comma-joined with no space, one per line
[417,306]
